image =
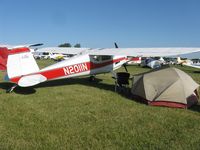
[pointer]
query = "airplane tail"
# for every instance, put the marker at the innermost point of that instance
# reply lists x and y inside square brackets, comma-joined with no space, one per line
[178,59]
[21,62]
[21,66]
[3,58]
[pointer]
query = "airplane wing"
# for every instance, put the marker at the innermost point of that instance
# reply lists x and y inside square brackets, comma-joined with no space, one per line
[144,52]
[192,65]
[62,50]
[19,46]
[136,52]
[7,46]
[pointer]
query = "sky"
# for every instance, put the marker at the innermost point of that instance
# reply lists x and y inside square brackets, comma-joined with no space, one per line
[100,23]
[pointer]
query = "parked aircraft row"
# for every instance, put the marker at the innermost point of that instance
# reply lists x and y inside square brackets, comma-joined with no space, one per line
[23,71]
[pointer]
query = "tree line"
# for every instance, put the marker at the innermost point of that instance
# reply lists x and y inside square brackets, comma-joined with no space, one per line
[78,45]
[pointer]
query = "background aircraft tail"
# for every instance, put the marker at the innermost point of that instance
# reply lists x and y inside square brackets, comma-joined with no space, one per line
[21,62]
[179,59]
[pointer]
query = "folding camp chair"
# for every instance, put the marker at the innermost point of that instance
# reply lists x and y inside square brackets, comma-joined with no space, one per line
[122,81]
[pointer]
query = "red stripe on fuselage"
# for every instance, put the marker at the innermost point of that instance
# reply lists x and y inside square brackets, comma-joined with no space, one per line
[70,70]
[64,71]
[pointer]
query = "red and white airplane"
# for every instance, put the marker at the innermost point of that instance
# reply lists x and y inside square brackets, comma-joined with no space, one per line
[23,70]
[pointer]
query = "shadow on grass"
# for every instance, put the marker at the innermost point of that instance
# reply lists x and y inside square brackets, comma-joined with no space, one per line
[195,108]
[72,81]
[193,71]
[6,85]
[83,81]
[24,91]
[196,71]
[97,83]
[61,82]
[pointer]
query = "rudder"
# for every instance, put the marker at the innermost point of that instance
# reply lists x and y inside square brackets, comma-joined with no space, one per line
[21,62]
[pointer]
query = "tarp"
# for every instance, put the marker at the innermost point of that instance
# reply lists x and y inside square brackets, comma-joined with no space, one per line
[165,87]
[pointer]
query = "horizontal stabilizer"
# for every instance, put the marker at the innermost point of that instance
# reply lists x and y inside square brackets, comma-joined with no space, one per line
[31,80]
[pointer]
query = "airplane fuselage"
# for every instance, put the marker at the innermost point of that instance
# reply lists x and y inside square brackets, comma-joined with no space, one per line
[80,65]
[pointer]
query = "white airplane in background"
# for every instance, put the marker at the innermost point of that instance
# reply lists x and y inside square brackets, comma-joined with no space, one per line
[135,61]
[180,61]
[188,63]
[49,55]
[23,70]
[193,65]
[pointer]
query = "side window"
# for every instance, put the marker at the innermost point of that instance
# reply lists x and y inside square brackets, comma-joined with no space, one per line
[97,58]
[104,58]
[45,53]
[100,59]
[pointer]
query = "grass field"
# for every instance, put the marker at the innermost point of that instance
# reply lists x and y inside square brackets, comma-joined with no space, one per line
[78,114]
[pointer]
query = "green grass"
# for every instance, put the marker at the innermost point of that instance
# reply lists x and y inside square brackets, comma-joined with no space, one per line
[77,114]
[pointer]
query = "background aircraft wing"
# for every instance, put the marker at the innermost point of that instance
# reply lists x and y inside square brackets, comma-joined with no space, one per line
[192,65]
[143,52]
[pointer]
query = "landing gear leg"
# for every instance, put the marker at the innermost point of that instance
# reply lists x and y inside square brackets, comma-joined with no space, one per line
[11,89]
[92,78]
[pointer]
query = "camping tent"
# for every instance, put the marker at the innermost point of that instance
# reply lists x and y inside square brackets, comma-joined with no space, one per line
[165,87]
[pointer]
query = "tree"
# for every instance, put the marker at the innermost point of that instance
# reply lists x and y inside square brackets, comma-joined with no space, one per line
[65,45]
[77,45]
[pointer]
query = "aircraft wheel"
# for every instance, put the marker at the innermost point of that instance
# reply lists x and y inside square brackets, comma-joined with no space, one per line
[92,78]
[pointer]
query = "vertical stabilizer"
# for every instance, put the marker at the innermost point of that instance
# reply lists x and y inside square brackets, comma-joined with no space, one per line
[21,62]
[179,59]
